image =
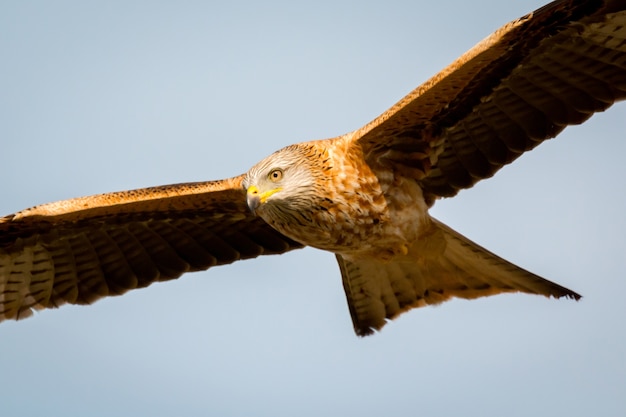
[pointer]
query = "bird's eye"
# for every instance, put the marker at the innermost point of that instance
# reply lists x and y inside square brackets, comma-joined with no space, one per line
[275,175]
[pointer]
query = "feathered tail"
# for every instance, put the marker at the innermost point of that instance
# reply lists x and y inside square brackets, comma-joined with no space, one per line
[442,264]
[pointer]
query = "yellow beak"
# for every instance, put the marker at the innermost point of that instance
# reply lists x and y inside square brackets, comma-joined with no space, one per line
[254,198]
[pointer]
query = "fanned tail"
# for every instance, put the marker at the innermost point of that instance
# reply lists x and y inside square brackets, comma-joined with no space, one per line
[442,264]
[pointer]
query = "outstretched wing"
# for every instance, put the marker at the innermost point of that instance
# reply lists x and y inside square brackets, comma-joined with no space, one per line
[518,87]
[80,250]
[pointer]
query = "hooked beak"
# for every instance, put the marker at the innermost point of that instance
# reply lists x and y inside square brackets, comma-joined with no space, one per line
[254,198]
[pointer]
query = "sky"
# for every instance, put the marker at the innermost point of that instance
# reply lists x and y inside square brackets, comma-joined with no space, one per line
[107,96]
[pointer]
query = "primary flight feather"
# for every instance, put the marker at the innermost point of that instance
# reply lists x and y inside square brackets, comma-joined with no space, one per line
[363,196]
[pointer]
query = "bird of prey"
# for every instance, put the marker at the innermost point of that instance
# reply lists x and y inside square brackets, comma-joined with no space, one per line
[363,196]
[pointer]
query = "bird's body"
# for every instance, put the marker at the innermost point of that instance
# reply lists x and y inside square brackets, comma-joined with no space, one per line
[353,212]
[363,196]
[393,255]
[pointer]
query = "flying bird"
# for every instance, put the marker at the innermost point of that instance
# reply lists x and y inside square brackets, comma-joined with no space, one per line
[363,196]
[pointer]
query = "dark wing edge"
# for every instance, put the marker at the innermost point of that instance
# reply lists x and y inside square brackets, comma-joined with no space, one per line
[520,86]
[80,250]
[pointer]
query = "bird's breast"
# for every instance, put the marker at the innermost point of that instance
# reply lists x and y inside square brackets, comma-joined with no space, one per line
[357,213]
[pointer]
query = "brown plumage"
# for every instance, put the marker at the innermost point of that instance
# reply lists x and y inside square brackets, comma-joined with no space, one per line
[363,196]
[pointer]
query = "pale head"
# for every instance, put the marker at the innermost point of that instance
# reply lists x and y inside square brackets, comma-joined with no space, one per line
[281,183]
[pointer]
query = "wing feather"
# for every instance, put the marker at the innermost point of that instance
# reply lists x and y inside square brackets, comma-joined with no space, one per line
[78,251]
[520,86]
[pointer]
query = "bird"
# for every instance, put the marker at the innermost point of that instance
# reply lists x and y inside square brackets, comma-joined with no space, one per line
[363,196]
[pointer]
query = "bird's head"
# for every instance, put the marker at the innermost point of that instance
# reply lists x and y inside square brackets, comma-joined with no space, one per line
[281,183]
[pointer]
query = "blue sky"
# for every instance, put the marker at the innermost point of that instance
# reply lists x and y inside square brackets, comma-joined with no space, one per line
[98,97]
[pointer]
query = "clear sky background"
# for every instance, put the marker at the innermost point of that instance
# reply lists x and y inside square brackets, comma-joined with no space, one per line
[106,96]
